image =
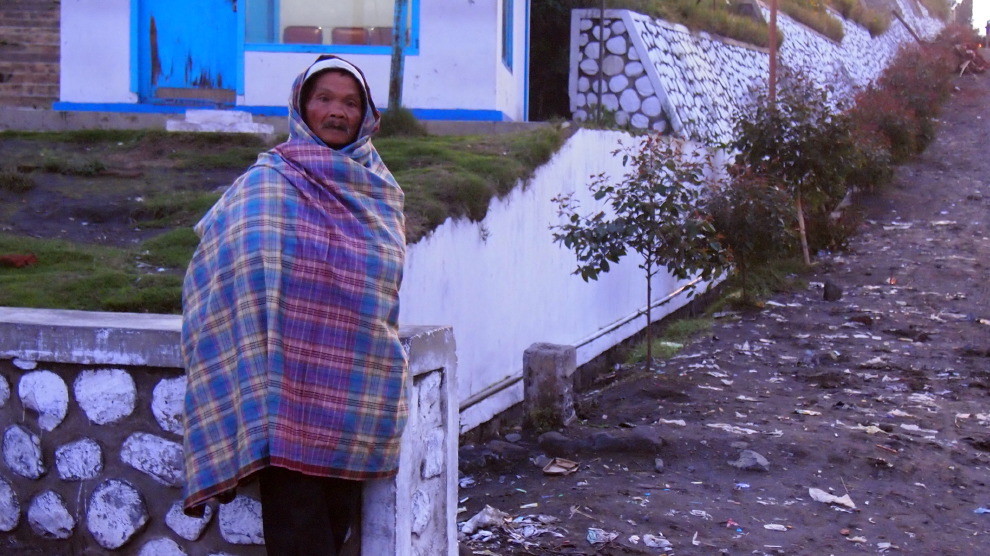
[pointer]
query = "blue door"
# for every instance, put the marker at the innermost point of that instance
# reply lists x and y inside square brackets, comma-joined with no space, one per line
[187,52]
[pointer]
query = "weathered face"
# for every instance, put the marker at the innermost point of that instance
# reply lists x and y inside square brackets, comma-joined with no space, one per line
[334,108]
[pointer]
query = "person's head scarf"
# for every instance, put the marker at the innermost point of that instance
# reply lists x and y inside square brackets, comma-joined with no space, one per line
[298,129]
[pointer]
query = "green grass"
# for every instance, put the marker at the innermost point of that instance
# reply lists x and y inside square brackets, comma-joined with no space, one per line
[446,176]
[718,17]
[443,177]
[815,17]
[172,249]
[675,335]
[174,208]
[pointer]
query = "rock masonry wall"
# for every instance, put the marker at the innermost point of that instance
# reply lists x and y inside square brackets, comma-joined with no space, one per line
[655,75]
[93,461]
[92,457]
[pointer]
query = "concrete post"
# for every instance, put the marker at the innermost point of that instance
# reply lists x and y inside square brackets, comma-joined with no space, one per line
[548,384]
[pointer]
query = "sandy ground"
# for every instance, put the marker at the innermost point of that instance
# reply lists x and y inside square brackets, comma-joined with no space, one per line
[880,399]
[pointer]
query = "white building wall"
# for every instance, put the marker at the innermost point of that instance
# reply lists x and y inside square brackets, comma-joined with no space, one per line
[96,51]
[457,50]
[504,284]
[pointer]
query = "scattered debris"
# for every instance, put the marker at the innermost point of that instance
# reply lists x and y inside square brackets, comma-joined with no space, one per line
[821,496]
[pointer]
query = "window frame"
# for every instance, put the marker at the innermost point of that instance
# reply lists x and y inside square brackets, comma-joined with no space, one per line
[411,49]
[508,24]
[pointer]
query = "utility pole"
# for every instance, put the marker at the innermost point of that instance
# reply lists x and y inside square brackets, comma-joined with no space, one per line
[398,58]
[772,93]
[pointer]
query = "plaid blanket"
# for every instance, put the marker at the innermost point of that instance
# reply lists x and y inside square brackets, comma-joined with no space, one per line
[290,308]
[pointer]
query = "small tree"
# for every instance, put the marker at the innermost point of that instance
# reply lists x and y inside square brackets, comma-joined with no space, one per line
[801,142]
[654,212]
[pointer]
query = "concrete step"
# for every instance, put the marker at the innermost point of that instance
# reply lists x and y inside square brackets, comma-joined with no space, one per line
[229,121]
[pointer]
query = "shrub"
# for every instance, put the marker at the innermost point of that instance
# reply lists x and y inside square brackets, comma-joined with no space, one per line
[754,220]
[400,122]
[798,143]
[874,21]
[15,182]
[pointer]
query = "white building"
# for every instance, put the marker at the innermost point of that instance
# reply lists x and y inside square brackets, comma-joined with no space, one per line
[464,59]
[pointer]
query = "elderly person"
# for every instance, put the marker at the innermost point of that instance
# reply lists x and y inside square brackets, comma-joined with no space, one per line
[295,370]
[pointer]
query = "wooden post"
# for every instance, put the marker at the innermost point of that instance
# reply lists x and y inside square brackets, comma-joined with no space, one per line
[772,85]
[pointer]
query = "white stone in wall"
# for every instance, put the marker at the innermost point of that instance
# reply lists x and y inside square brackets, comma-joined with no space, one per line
[49,518]
[240,521]
[583,84]
[613,65]
[618,83]
[45,393]
[79,460]
[617,45]
[596,32]
[162,546]
[621,118]
[157,457]
[651,106]
[24,364]
[189,528]
[583,39]
[629,101]
[644,87]
[639,121]
[116,513]
[422,510]
[589,66]
[10,508]
[634,69]
[610,102]
[580,100]
[22,452]
[433,461]
[633,55]
[168,399]
[593,50]
[4,390]
[580,115]
[660,127]
[585,24]
[618,27]
[106,395]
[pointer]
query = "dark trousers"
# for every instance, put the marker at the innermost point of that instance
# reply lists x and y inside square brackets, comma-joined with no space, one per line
[304,515]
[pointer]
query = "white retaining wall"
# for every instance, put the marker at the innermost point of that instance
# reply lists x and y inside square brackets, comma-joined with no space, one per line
[503,283]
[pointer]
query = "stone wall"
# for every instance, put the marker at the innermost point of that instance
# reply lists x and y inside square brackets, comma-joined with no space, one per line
[91,418]
[661,76]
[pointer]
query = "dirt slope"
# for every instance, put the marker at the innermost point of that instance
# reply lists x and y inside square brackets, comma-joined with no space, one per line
[882,395]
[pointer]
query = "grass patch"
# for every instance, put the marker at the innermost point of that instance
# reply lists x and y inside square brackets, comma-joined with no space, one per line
[815,16]
[179,208]
[84,277]
[442,177]
[675,335]
[230,158]
[172,249]
[458,176]
[15,182]
[720,18]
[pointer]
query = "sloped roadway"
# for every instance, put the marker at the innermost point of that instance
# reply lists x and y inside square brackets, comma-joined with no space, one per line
[882,395]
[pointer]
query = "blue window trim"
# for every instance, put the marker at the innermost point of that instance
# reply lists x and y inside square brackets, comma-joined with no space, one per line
[411,50]
[134,47]
[457,114]
[525,112]
[507,25]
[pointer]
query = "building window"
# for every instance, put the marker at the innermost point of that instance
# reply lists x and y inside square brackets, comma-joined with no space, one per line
[507,33]
[325,25]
